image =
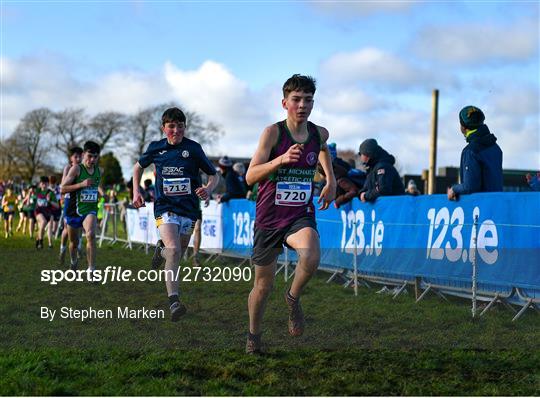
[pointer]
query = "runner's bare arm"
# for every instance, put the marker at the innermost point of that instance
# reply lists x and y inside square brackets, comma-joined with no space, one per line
[138,200]
[205,191]
[67,184]
[212,183]
[65,173]
[328,193]
[260,167]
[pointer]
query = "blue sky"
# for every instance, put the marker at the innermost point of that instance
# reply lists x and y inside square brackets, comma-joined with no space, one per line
[376,64]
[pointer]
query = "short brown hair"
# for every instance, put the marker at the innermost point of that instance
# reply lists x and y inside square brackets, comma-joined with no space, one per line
[298,82]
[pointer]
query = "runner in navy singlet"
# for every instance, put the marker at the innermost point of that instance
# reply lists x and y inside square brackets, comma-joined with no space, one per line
[178,189]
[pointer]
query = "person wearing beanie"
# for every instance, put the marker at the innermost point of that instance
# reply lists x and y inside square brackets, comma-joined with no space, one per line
[412,189]
[235,188]
[481,160]
[382,177]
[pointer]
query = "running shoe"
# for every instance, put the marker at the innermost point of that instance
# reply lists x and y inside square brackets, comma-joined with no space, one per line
[62,257]
[157,258]
[296,316]
[177,310]
[254,345]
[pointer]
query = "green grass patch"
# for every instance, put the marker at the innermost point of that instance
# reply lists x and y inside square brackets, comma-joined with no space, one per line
[364,345]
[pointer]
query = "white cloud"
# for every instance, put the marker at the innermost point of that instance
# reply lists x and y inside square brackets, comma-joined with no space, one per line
[479,43]
[125,92]
[519,101]
[368,64]
[346,100]
[360,8]
[372,66]
[34,82]
[213,91]
[350,114]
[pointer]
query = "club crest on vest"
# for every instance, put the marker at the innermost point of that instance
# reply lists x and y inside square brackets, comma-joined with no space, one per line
[311,158]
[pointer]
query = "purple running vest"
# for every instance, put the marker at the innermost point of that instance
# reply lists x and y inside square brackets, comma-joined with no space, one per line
[286,195]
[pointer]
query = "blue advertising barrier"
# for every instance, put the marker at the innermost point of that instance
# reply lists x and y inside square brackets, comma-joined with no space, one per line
[424,236]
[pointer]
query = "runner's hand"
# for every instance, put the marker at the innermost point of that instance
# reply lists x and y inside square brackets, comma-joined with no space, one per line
[293,154]
[88,183]
[328,194]
[451,194]
[202,193]
[138,200]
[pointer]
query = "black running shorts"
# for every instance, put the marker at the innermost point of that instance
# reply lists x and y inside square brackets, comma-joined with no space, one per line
[268,243]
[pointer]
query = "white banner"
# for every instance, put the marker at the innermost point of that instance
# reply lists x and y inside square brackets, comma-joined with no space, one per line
[211,228]
[141,226]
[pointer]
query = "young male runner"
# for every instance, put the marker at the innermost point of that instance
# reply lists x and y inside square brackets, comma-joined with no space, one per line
[75,156]
[56,213]
[45,203]
[178,188]
[9,204]
[82,183]
[284,165]
[29,207]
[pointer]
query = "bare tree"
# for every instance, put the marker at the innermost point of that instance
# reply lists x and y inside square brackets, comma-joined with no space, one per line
[30,141]
[198,129]
[144,128]
[107,127]
[69,129]
[10,159]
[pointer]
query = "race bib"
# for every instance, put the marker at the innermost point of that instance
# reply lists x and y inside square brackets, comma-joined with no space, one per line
[176,186]
[89,195]
[42,202]
[293,193]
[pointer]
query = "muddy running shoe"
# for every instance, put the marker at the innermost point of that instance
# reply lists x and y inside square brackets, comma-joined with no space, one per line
[157,258]
[62,257]
[296,316]
[254,344]
[177,310]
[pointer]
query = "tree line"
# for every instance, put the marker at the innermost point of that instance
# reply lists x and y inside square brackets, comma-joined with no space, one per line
[41,140]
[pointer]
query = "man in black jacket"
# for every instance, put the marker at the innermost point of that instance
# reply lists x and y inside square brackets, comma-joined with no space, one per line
[235,188]
[481,160]
[382,178]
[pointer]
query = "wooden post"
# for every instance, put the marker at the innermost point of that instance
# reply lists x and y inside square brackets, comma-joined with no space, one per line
[433,145]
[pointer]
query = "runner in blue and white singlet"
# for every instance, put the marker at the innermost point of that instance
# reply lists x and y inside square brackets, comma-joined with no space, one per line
[177,160]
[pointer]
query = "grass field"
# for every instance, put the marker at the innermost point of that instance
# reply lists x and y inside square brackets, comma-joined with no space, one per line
[365,345]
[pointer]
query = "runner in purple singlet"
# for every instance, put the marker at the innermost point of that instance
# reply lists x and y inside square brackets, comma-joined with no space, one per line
[284,165]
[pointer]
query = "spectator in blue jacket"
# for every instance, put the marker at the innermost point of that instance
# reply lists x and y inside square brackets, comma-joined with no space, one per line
[235,188]
[481,160]
[382,178]
[533,181]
